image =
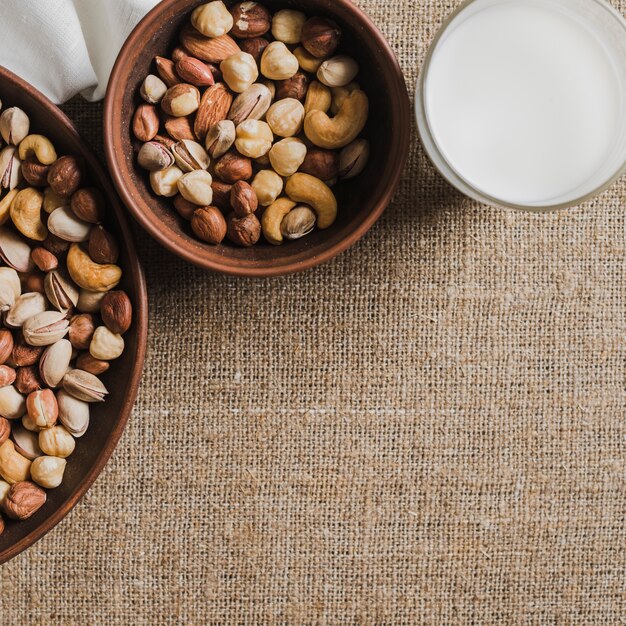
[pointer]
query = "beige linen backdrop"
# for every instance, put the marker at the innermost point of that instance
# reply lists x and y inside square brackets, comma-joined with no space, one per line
[428,430]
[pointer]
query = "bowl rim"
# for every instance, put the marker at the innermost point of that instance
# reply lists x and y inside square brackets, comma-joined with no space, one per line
[140,314]
[174,243]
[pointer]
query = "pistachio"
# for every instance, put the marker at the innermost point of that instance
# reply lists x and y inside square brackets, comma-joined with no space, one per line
[220,138]
[353,159]
[65,225]
[84,386]
[73,413]
[298,223]
[10,170]
[14,125]
[23,500]
[154,157]
[338,71]
[61,291]
[12,403]
[45,328]
[14,251]
[55,362]
[105,345]
[56,441]
[252,104]
[25,307]
[48,471]
[190,156]
[26,442]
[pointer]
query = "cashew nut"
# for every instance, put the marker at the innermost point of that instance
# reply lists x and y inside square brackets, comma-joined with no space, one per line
[39,146]
[26,214]
[5,206]
[318,98]
[89,275]
[14,467]
[273,218]
[344,128]
[306,189]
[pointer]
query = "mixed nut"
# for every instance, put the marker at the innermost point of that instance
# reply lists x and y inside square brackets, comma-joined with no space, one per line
[251,122]
[61,321]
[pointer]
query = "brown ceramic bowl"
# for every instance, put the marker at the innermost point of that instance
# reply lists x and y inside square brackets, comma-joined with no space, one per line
[108,419]
[361,201]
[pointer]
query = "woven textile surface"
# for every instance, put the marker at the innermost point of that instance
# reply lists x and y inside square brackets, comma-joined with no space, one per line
[428,430]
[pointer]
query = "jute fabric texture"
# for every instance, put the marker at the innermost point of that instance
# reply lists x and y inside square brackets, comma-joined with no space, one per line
[428,430]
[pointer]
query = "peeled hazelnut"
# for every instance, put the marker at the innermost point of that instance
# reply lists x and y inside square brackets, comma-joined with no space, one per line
[89,301]
[44,259]
[244,231]
[88,205]
[212,19]
[295,87]
[286,117]
[23,500]
[42,408]
[254,138]
[145,122]
[233,167]
[220,138]
[116,311]
[181,100]
[255,47]
[27,379]
[268,185]
[35,173]
[209,225]
[250,19]
[243,199]
[153,89]
[278,63]
[94,366]
[221,195]
[287,26]
[320,37]
[239,71]
[105,345]
[287,156]
[65,175]
[57,441]
[307,61]
[103,247]
[323,164]
[194,72]
[81,331]
[48,471]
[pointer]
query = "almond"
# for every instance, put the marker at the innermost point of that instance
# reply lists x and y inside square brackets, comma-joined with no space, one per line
[214,50]
[180,128]
[214,108]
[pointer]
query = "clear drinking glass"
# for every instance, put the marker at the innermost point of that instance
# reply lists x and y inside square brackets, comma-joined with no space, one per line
[611,27]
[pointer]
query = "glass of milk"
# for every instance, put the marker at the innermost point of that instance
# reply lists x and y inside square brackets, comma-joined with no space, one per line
[522,103]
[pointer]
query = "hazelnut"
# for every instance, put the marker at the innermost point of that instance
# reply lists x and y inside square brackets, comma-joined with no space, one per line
[320,37]
[221,195]
[323,164]
[27,379]
[65,176]
[232,167]
[209,225]
[35,282]
[44,259]
[88,205]
[255,47]
[116,311]
[145,122]
[24,355]
[295,87]
[23,500]
[181,100]
[244,231]
[184,208]
[195,72]
[6,345]
[81,330]
[94,366]
[35,173]
[250,19]
[55,244]
[7,377]
[103,247]
[243,199]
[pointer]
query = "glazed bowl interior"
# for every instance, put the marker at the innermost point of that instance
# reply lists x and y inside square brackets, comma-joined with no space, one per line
[361,200]
[122,380]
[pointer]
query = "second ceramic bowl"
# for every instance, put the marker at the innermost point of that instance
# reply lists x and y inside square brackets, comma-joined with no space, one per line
[361,200]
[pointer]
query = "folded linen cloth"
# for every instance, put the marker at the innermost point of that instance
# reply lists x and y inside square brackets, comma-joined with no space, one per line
[66,47]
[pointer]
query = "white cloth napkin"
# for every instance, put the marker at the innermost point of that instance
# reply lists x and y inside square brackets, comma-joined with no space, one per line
[66,47]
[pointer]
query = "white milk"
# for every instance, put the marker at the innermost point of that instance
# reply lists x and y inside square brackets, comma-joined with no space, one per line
[526,100]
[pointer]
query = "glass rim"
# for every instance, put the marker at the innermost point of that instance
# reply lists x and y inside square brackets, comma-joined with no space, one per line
[445,167]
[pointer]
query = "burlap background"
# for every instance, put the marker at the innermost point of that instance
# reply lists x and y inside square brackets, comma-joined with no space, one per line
[428,430]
